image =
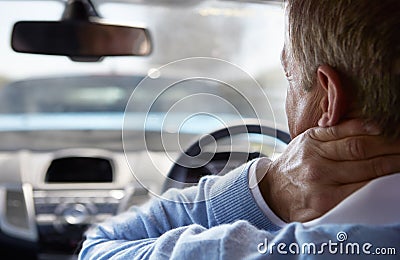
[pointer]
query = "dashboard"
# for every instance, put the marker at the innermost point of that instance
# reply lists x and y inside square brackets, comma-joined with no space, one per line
[49,199]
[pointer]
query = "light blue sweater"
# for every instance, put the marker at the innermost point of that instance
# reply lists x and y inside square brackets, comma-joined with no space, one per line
[219,219]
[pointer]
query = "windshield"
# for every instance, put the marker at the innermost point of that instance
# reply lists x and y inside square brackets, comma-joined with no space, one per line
[42,93]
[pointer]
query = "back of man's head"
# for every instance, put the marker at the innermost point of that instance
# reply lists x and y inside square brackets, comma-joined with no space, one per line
[360,39]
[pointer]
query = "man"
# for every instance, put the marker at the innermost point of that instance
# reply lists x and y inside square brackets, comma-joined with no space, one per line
[325,195]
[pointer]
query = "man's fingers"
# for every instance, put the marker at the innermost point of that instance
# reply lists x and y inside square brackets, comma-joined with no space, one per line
[358,148]
[359,171]
[348,128]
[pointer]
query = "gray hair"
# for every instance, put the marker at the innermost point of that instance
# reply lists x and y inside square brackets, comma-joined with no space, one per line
[360,39]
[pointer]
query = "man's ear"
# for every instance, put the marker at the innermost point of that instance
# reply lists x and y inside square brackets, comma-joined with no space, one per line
[333,103]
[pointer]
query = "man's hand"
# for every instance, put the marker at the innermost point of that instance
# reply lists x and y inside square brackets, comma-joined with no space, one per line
[323,166]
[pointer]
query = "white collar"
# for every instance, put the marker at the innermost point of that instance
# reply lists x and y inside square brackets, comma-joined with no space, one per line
[377,203]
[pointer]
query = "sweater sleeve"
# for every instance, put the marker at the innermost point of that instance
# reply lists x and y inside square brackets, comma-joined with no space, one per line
[240,240]
[214,201]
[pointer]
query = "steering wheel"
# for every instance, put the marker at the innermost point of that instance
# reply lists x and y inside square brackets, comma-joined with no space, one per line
[194,163]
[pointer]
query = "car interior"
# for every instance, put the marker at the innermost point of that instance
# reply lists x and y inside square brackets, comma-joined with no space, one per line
[105,104]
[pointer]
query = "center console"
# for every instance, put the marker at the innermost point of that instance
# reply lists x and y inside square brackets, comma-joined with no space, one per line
[51,211]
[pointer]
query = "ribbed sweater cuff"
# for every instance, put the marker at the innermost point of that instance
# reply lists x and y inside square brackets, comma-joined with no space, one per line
[232,200]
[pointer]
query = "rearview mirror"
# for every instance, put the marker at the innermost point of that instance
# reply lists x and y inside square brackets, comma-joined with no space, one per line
[79,39]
